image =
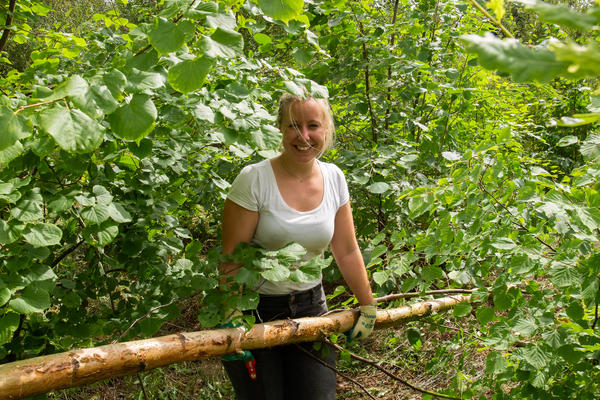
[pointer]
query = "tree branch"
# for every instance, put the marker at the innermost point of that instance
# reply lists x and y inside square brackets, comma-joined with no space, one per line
[9,20]
[66,253]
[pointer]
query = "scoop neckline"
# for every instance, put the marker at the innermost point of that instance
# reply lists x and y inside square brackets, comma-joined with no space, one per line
[283,200]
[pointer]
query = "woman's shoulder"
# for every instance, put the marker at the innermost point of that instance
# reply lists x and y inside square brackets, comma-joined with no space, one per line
[331,169]
[255,168]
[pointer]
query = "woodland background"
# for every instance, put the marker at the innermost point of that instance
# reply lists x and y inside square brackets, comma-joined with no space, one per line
[467,132]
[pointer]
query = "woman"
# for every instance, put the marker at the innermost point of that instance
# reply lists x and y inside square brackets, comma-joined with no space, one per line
[294,197]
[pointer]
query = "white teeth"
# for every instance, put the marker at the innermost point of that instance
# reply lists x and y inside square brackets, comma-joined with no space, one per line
[303,148]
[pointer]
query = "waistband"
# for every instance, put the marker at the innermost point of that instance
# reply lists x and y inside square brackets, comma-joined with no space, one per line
[310,295]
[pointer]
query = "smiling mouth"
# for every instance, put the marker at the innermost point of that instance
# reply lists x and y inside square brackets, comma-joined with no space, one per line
[303,148]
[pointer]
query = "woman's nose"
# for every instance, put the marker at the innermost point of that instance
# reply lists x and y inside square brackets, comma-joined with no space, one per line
[303,132]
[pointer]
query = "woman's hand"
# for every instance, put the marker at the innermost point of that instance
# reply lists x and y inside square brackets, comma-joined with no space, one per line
[366,322]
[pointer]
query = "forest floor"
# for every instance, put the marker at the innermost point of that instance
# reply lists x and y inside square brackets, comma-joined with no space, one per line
[416,353]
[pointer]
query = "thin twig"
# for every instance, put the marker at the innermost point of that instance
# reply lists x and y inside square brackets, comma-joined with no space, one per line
[337,371]
[515,220]
[388,373]
[37,104]
[418,294]
[491,18]
[141,318]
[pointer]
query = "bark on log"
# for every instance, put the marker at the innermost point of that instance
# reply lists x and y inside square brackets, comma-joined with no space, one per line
[83,366]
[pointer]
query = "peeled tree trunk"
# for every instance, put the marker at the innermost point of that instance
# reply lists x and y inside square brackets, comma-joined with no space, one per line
[79,367]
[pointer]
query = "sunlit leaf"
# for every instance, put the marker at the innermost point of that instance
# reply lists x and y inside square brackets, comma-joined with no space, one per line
[189,75]
[14,127]
[73,130]
[283,10]
[43,234]
[135,120]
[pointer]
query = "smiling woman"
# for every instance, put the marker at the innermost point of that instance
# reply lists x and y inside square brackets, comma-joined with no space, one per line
[294,197]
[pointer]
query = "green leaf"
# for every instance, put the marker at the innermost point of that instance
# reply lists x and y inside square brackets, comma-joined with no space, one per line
[419,205]
[118,213]
[575,311]
[74,86]
[101,235]
[560,15]
[504,243]
[430,273]
[564,276]
[498,7]
[290,253]
[96,214]
[4,296]
[14,127]
[32,300]
[462,310]
[535,356]
[283,10]
[579,120]
[29,208]
[381,277]
[569,353]
[413,335]
[10,153]
[590,148]
[311,270]
[509,55]
[223,43]
[205,113]
[73,130]
[115,81]
[221,20]
[188,76]
[378,187]
[495,363]
[10,231]
[485,315]
[567,141]
[9,323]
[277,273]
[44,234]
[140,81]
[525,326]
[261,38]
[135,120]
[166,36]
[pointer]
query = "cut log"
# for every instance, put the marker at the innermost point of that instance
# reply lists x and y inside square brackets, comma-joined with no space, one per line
[83,366]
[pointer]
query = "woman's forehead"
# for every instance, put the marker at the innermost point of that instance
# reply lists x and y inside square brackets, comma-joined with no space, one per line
[308,109]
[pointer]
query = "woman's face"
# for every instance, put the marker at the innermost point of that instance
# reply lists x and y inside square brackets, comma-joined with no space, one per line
[304,131]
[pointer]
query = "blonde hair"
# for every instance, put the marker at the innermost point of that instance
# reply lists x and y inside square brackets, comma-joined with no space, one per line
[285,107]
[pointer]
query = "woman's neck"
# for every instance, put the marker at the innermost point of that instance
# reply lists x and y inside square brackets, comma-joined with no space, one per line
[299,171]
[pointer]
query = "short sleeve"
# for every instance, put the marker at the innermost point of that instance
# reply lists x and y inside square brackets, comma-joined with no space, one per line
[342,186]
[244,189]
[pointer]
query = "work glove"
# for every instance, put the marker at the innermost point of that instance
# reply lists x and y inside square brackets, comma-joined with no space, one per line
[241,355]
[365,324]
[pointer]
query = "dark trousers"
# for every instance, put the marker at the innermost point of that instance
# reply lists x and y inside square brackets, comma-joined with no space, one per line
[286,372]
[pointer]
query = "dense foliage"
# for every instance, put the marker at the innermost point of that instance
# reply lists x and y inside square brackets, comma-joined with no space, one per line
[123,123]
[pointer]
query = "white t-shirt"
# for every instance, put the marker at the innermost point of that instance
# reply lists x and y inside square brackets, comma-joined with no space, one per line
[255,189]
